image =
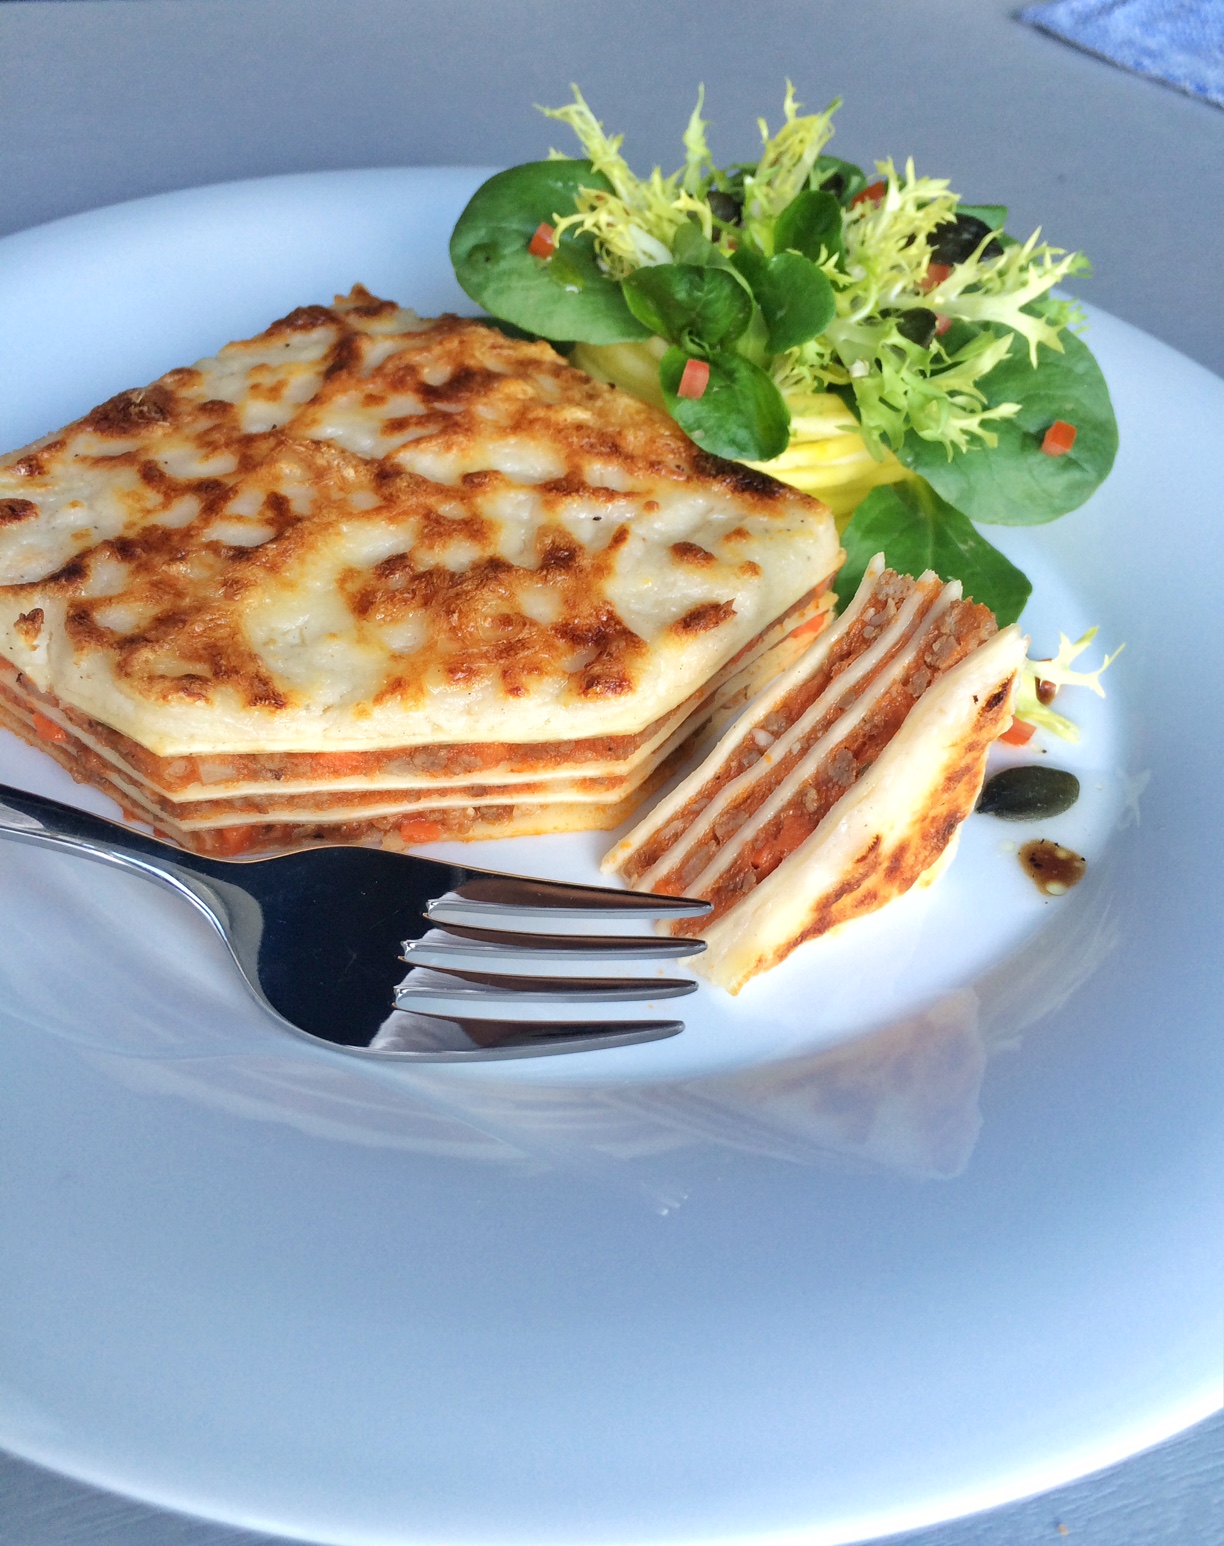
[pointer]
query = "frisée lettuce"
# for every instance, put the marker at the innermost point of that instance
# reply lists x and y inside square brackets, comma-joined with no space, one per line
[872,340]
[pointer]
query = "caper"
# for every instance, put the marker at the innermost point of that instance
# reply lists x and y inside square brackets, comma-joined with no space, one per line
[1026,793]
[952,241]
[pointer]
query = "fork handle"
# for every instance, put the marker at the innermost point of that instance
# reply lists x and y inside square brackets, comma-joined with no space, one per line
[33,818]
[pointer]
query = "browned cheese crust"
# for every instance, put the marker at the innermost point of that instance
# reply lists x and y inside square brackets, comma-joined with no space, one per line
[360,531]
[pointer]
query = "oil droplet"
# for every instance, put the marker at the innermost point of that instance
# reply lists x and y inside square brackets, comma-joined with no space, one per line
[1052,868]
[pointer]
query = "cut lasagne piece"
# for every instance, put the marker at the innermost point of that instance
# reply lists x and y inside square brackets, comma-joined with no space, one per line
[375,578]
[843,784]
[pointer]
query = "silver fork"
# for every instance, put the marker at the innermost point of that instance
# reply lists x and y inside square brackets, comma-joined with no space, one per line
[318,934]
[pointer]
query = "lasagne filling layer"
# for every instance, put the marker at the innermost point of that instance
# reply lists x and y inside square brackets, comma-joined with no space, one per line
[843,784]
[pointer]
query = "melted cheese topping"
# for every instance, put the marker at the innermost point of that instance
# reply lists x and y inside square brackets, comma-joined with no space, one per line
[363,530]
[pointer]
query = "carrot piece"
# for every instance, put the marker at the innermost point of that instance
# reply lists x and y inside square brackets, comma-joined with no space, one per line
[232,840]
[1018,733]
[797,826]
[419,829]
[344,764]
[810,628]
[871,194]
[47,729]
[935,275]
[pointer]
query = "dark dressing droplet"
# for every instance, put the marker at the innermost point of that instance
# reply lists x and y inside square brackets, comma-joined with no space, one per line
[1052,868]
[1028,793]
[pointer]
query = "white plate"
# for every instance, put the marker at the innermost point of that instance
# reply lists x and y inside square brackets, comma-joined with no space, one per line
[850,1255]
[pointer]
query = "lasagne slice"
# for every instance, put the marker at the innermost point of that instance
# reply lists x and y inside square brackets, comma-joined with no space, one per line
[374,576]
[843,784]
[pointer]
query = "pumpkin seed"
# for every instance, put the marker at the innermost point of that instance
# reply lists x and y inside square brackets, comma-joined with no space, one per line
[1029,792]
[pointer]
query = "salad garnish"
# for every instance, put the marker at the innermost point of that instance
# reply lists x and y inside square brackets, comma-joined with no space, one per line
[870,339]
[1040,681]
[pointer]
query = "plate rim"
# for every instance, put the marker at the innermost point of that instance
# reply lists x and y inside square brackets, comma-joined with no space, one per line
[1206,1404]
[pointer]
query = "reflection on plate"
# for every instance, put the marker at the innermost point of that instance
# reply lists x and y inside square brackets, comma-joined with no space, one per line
[924,1219]
[904,1098]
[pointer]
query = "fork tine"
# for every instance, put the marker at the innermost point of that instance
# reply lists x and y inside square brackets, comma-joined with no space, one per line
[520,897]
[498,950]
[467,1038]
[464,992]
[614,945]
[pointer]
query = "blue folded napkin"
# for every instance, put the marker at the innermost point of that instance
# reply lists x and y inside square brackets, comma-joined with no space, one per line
[1175,41]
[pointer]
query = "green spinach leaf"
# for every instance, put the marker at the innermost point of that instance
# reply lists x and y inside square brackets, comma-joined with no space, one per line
[740,414]
[566,296]
[812,221]
[915,530]
[700,309]
[1016,483]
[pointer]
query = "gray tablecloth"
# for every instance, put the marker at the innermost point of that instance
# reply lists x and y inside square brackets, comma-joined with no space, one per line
[103,100]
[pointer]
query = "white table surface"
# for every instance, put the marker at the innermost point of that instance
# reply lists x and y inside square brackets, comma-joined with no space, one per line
[104,100]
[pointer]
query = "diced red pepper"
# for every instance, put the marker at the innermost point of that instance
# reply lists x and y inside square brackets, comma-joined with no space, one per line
[694,379]
[935,275]
[544,243]
[1018,733]
[871,194]
[1059,438]
[942,324]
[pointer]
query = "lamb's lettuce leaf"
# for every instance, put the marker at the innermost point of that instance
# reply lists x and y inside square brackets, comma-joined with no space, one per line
[795,297]
[740,414]
[842,179]
[812,225]
[940,331]
[699,309]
